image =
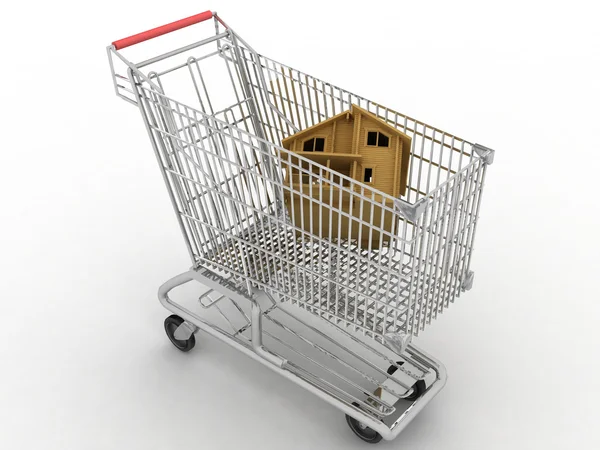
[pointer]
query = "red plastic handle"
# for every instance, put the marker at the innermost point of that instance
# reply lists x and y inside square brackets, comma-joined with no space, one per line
[159,31]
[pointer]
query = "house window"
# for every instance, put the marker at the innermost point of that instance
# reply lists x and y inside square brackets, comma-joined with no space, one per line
[368,178]
[314,145]
[377,139]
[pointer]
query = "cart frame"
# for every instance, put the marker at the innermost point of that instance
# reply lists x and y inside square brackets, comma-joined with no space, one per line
[224,174]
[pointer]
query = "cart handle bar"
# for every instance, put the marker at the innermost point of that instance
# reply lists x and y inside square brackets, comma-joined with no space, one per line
[159,31]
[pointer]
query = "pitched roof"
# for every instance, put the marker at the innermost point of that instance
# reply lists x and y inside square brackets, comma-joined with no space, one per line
[355,109]
[285,142]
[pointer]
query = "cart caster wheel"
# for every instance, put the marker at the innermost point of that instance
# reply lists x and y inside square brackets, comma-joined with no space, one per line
[171,324]
[362,431]
[418,388]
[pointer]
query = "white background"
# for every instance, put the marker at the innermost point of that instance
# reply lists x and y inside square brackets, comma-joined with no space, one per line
[88,234]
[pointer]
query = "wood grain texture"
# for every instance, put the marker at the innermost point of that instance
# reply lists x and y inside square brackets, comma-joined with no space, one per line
[347,152]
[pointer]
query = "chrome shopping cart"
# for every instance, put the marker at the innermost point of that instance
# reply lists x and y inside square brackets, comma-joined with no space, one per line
[300,264]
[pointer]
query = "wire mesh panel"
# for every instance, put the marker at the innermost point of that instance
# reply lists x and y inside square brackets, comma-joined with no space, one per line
[435,155]
[444,244]
[444,175]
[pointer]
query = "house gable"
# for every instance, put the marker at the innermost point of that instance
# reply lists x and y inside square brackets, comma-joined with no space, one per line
[379,164]
[404,144]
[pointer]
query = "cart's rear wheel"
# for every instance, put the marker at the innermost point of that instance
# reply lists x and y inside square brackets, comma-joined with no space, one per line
[171,324]
[362,431]
[418,388]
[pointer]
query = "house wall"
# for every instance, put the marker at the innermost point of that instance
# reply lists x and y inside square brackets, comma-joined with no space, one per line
[343,135]
[381,159]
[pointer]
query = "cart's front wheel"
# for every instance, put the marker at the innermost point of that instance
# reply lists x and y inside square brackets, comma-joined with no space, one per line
[171,324]
[362,431]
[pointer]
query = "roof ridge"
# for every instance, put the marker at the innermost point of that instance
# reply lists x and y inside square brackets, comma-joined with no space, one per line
[350,111]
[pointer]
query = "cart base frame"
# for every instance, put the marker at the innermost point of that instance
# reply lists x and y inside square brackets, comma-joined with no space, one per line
[388,427]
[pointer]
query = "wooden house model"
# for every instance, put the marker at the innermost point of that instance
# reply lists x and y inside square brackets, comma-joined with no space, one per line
[355,143]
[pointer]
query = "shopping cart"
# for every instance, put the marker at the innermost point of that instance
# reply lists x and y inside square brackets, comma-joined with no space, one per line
[332,315]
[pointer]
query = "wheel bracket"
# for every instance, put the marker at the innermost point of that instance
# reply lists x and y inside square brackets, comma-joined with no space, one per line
[184,331]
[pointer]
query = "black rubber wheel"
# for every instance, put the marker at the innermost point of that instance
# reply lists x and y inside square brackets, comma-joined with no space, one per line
[418,388]
[171,324]
[362,431]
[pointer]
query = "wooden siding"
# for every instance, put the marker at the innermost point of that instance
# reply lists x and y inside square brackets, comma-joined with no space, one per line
[346,136]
